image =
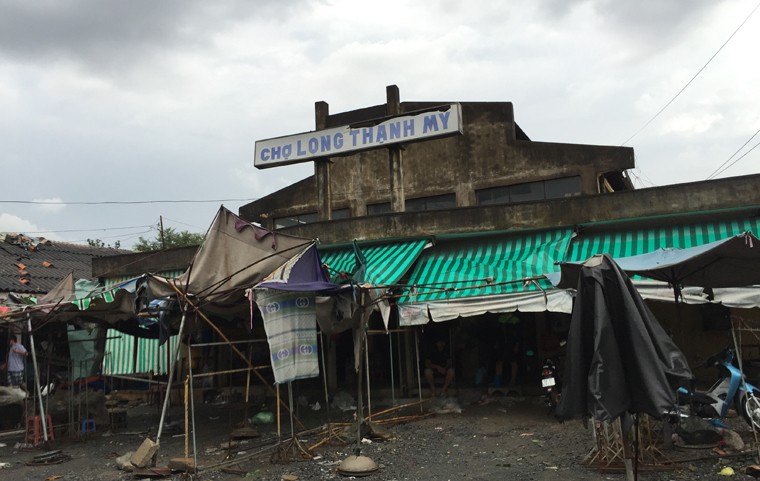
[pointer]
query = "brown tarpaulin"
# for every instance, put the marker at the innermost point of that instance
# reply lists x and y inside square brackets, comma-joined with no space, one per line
[235,254]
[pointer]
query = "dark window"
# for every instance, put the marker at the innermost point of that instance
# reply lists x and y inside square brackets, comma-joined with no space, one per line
[526,192]
[308,218]
[341,213]
[492,196]
[295,219]
[530,191]
[381,208]
[445,201]
[564,187]
[285,222]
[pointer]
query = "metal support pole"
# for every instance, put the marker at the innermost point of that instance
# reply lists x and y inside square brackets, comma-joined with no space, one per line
[290,405]
[192,404]
[221,334]
[359,405]
[393,380]
[37,378]
[366,363]
[279,424]
[417,360]
[401,374]
[171,376]
[324,373]
[248,384]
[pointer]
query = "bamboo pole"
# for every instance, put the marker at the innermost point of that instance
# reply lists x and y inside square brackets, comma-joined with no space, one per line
[192,402]
[279,430]
[43,418]
[232,346]
[171,377]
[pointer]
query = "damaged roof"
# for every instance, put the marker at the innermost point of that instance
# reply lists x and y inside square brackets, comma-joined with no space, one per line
[36,265]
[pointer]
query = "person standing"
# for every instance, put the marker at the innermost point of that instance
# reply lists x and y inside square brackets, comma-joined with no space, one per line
[16,363]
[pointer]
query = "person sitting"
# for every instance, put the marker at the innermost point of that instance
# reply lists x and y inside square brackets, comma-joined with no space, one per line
[438,363]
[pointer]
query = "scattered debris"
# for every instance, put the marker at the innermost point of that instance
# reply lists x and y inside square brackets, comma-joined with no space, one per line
[144,454]
[50,457]
[153,472]
[244,432]
[289,477]
[262,417]
[124,463]
[445,406]
[182,464]
[727,471]
[732,440]
[343,401]
[753,470]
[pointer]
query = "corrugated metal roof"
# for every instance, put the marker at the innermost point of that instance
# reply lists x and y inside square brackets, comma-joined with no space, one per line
[46,265]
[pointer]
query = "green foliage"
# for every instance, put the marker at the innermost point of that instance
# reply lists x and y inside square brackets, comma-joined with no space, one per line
[100,243]
[172,238]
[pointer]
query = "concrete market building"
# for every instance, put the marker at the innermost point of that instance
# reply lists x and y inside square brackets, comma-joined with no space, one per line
[457,222]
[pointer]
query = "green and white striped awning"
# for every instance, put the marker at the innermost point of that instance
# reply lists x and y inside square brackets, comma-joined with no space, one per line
[485,266]
[386,263]
[152,357]
[120,347]
[625,243]
[119,353]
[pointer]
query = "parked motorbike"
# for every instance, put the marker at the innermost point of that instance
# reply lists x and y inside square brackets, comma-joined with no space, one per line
[731,389]
[550,382]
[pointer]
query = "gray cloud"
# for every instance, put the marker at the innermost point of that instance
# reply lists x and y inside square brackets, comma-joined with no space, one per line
[114,35]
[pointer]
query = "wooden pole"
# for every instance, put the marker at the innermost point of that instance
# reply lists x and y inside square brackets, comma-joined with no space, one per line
[232,346]
[279,429]
[171,377]
[43,417]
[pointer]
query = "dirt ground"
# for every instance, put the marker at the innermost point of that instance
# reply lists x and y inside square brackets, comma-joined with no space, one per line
[505,438]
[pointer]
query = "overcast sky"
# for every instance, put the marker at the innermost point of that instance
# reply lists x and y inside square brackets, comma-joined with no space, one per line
[163,100]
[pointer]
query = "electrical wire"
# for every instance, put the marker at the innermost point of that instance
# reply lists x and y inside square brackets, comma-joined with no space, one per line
[88,230]
[692,79]
[185,223]
[718,170]
[131,235]
[737,160]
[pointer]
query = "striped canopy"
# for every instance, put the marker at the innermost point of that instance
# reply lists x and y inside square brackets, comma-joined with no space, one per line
[486,266]
[386,263]
[626,243]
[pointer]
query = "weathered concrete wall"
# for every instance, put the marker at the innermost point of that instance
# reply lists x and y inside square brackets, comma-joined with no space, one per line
[653,206]
[142,262]
[655,202]
[490,153]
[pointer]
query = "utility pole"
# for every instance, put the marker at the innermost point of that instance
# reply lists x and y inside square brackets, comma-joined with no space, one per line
[161,224]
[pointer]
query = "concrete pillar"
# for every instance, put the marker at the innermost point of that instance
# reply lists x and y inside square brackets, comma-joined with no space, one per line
[322,167]
[393,107]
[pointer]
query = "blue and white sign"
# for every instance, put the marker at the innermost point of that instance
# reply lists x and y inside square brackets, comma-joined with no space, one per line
[336,141]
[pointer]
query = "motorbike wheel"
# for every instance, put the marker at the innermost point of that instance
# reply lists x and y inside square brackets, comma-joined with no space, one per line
[748,406]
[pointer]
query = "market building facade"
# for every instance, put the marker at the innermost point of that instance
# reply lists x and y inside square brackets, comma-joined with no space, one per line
[463,227]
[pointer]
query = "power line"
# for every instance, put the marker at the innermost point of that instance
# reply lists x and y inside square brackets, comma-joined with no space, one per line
[87,230]
[185,223]
[125,202]
[692,79]
[737,160]
[131,235]
[715,172]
